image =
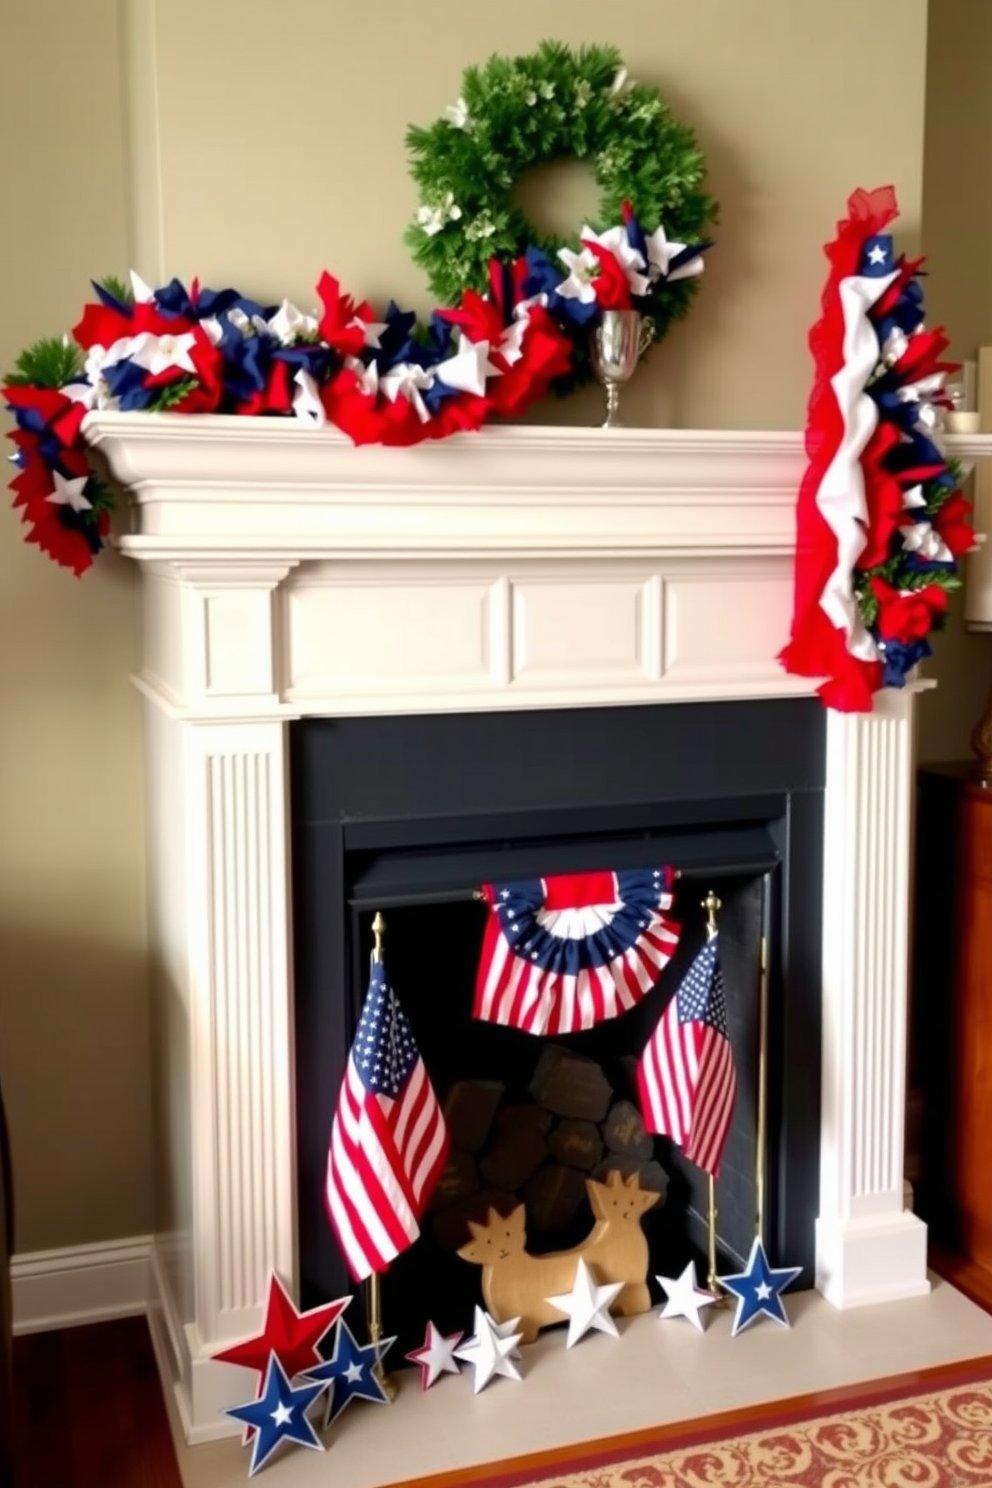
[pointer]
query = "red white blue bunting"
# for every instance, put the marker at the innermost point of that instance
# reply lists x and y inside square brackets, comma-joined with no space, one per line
[563,953]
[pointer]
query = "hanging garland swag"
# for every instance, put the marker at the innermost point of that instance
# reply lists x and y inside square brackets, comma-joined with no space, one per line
[515,113]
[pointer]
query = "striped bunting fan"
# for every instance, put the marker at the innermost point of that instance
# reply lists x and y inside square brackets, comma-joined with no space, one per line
[566,952]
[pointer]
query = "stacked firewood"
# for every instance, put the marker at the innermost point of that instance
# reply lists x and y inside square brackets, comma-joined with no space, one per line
[538,1152]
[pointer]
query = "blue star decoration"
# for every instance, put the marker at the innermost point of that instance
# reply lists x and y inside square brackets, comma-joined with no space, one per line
[350,1372]
[758,1289]
[278,1415]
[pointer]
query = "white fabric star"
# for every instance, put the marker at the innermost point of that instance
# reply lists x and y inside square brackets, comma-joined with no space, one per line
[587,1305]
[436,1355]
[163,353]
[661,252]
[685,1298]
[877,254]
[468,369]
[70,492]
[488,1353]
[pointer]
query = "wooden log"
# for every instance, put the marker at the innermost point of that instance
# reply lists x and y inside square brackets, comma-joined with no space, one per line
[510,1119]
[554,1195]
[570,1085]
[623,1132]
[517,1153]
[652,1176]
[469,1110]
[459,1179]
[577,1144]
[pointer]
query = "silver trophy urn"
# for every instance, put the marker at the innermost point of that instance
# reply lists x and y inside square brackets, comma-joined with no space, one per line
[618,342]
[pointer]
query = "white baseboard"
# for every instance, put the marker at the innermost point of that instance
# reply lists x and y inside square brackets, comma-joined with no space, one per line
[80,1284]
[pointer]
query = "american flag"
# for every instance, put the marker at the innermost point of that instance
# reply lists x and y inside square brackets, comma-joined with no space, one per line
[686,1074]
[388,1143]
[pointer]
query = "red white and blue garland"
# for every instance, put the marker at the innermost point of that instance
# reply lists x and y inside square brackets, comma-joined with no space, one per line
[882,523]
[381,381]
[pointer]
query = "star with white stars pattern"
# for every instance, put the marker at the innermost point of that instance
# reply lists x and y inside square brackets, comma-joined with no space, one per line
[757,1289]
[278,1415]
[351,1372]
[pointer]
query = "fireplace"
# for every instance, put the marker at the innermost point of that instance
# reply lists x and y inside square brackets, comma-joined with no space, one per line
[410,814]
[301,596]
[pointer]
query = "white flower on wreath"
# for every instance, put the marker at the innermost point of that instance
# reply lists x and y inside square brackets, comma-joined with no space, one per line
[583,92]
[433,219]
[615,239]
[583,269]
[660,254]
[482,227]
[457,114]
[530,98]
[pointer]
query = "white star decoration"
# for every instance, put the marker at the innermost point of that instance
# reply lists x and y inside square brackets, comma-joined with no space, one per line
[70,492]
[587,1305]
[488,1353]
[436,1355]
[685,1298]
[876,255]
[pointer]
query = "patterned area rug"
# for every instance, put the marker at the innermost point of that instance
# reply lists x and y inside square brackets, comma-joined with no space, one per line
[897,1433]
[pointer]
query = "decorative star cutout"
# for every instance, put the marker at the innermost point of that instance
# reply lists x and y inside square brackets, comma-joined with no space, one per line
[685,1298]
[70,492]
[877,255]
[436,1355]
[509,1329]
[350,1372]
[487,1352]
[757,1289]
[291,1335]
[587,1305]
[278,1415]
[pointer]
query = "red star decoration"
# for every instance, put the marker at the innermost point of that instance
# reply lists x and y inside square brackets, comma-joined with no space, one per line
[292,1336]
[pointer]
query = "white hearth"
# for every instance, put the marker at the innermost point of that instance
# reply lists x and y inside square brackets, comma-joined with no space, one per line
[286,575]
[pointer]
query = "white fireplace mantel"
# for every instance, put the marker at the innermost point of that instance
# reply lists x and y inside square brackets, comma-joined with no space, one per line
[287,574]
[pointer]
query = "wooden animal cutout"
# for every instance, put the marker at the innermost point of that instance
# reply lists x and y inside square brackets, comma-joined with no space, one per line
[516,1284]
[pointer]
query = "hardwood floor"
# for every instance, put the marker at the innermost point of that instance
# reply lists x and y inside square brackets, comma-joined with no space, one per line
[89,1411]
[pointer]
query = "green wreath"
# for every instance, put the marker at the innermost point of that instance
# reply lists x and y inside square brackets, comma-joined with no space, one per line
[518,112]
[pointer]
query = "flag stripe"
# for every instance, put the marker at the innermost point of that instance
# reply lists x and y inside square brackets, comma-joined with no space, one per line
[686,1076]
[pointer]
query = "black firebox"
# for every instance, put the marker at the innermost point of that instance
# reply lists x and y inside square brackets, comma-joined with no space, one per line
[410,815]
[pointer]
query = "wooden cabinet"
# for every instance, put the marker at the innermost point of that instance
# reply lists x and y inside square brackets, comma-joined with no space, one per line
[951,1036]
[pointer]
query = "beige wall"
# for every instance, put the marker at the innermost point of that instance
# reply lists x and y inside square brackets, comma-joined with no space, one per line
[264,142]
[957,237]
[73,996]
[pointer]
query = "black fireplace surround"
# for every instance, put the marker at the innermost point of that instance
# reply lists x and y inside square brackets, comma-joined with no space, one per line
[409,815]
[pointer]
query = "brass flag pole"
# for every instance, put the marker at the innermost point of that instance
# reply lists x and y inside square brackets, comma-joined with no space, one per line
[374,1295]
[712,904]
[762,1133]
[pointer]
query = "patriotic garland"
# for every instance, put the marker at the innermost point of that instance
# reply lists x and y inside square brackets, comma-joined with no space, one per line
[388,381]
[882,523]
